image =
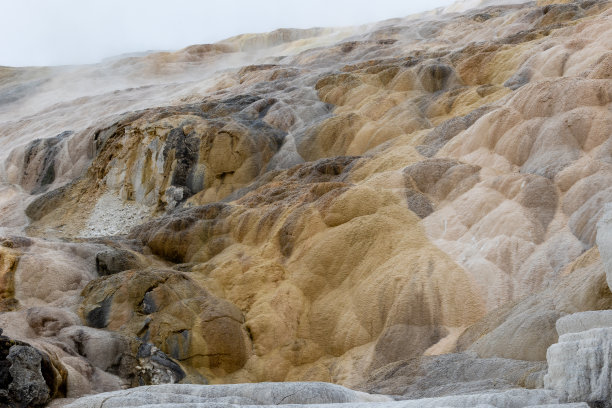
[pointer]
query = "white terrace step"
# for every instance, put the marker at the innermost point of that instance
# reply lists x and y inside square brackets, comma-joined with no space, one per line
[301,395]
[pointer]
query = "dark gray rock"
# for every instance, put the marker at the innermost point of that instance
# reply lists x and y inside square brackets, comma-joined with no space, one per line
[28,386]
[185,149]
[113,260]
[419,203]
[28,377]
[98,317]
[39,162]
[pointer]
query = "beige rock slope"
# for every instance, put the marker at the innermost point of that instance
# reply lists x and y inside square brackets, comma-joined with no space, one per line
[341,205]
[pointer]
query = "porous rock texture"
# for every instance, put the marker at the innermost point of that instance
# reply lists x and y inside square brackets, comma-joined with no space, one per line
[578,365]
[318,395]
[406,208]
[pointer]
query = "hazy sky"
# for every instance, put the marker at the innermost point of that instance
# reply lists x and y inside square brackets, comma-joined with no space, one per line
[55,32]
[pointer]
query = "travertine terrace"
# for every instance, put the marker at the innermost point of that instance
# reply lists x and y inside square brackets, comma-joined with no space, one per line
[413,209]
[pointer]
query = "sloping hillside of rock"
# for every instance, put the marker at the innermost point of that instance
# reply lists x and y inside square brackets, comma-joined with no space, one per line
[405,208]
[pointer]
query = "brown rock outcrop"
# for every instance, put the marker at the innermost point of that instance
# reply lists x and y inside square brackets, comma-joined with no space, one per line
[169,310]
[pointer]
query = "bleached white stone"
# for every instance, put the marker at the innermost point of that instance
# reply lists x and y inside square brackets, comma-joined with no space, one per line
[112,215]
[313,395]
[579,322]
[604,241]
[229,395]
[570,405]
[580,366]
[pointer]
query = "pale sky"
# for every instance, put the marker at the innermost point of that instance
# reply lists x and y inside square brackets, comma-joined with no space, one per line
[57,32]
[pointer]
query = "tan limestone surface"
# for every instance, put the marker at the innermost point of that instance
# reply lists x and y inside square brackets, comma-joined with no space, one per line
[313,205]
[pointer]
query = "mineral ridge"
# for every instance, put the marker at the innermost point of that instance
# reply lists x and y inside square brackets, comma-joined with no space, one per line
[417,211]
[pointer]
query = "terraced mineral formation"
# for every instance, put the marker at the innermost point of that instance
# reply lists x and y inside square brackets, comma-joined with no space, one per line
[416,209]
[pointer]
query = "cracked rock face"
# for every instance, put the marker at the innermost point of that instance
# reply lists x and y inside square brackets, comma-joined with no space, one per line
[316,395]
[604,241]
[579,366]
[28,377]
[28,386]
[273,394]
